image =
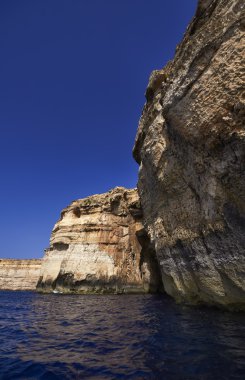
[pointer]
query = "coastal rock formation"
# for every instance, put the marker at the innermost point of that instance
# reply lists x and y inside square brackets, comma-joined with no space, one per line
[19,274]
[99,245]
[190,146]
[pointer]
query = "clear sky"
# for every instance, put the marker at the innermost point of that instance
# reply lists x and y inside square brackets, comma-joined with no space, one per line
[72,79]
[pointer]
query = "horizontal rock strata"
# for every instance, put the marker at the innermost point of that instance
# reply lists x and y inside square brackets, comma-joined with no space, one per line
[190,146]
[19,274]
[99,245]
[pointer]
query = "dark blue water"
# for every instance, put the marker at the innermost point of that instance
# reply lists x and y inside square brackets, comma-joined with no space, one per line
[116,337]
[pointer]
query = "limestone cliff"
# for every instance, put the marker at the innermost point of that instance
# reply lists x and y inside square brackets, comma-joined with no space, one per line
[19,274]
[190,146]
[99,245]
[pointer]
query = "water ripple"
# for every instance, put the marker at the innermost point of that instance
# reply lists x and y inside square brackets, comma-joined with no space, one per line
[116,337]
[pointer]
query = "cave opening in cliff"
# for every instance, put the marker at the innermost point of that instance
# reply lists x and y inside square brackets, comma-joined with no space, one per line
[148,265]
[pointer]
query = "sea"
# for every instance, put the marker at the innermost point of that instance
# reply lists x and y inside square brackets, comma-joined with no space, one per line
[56,336]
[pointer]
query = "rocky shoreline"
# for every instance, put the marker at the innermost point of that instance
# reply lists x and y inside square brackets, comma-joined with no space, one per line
[99,246]
[19,274]
[183,230]
[190,146]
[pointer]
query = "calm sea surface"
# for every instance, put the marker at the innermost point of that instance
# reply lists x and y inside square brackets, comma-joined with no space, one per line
[116,337]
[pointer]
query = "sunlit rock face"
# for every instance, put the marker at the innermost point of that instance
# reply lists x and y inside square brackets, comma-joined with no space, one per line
[99,245]
[19,274]
[190,146]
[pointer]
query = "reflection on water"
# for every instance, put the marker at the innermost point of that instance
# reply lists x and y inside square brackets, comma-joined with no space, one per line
[116,337]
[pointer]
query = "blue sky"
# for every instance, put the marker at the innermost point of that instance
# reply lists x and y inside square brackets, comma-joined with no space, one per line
[72,81]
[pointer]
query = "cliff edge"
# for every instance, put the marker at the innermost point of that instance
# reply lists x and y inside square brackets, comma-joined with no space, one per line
[190,146]
[19,274]
[99,246]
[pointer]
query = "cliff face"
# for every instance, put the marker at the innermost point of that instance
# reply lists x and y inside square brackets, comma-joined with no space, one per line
[99,245]
[190,146]
[19,274]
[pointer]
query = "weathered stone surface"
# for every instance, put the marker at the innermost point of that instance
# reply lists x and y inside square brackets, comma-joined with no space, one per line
[19,274]
[99,245]
[190,146]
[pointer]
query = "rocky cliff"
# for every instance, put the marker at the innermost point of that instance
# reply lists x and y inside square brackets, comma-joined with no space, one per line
[190,146]
[19,274]
[99,245]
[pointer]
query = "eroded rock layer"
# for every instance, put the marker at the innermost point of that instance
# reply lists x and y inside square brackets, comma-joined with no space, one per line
[19,274]
[99,245]
[190,146]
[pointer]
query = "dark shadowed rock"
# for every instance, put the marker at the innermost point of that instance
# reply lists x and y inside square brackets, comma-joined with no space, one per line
[190,146]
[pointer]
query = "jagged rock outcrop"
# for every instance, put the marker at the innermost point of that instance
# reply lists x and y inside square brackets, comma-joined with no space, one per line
[99,245]
[190,146]
[19,274]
